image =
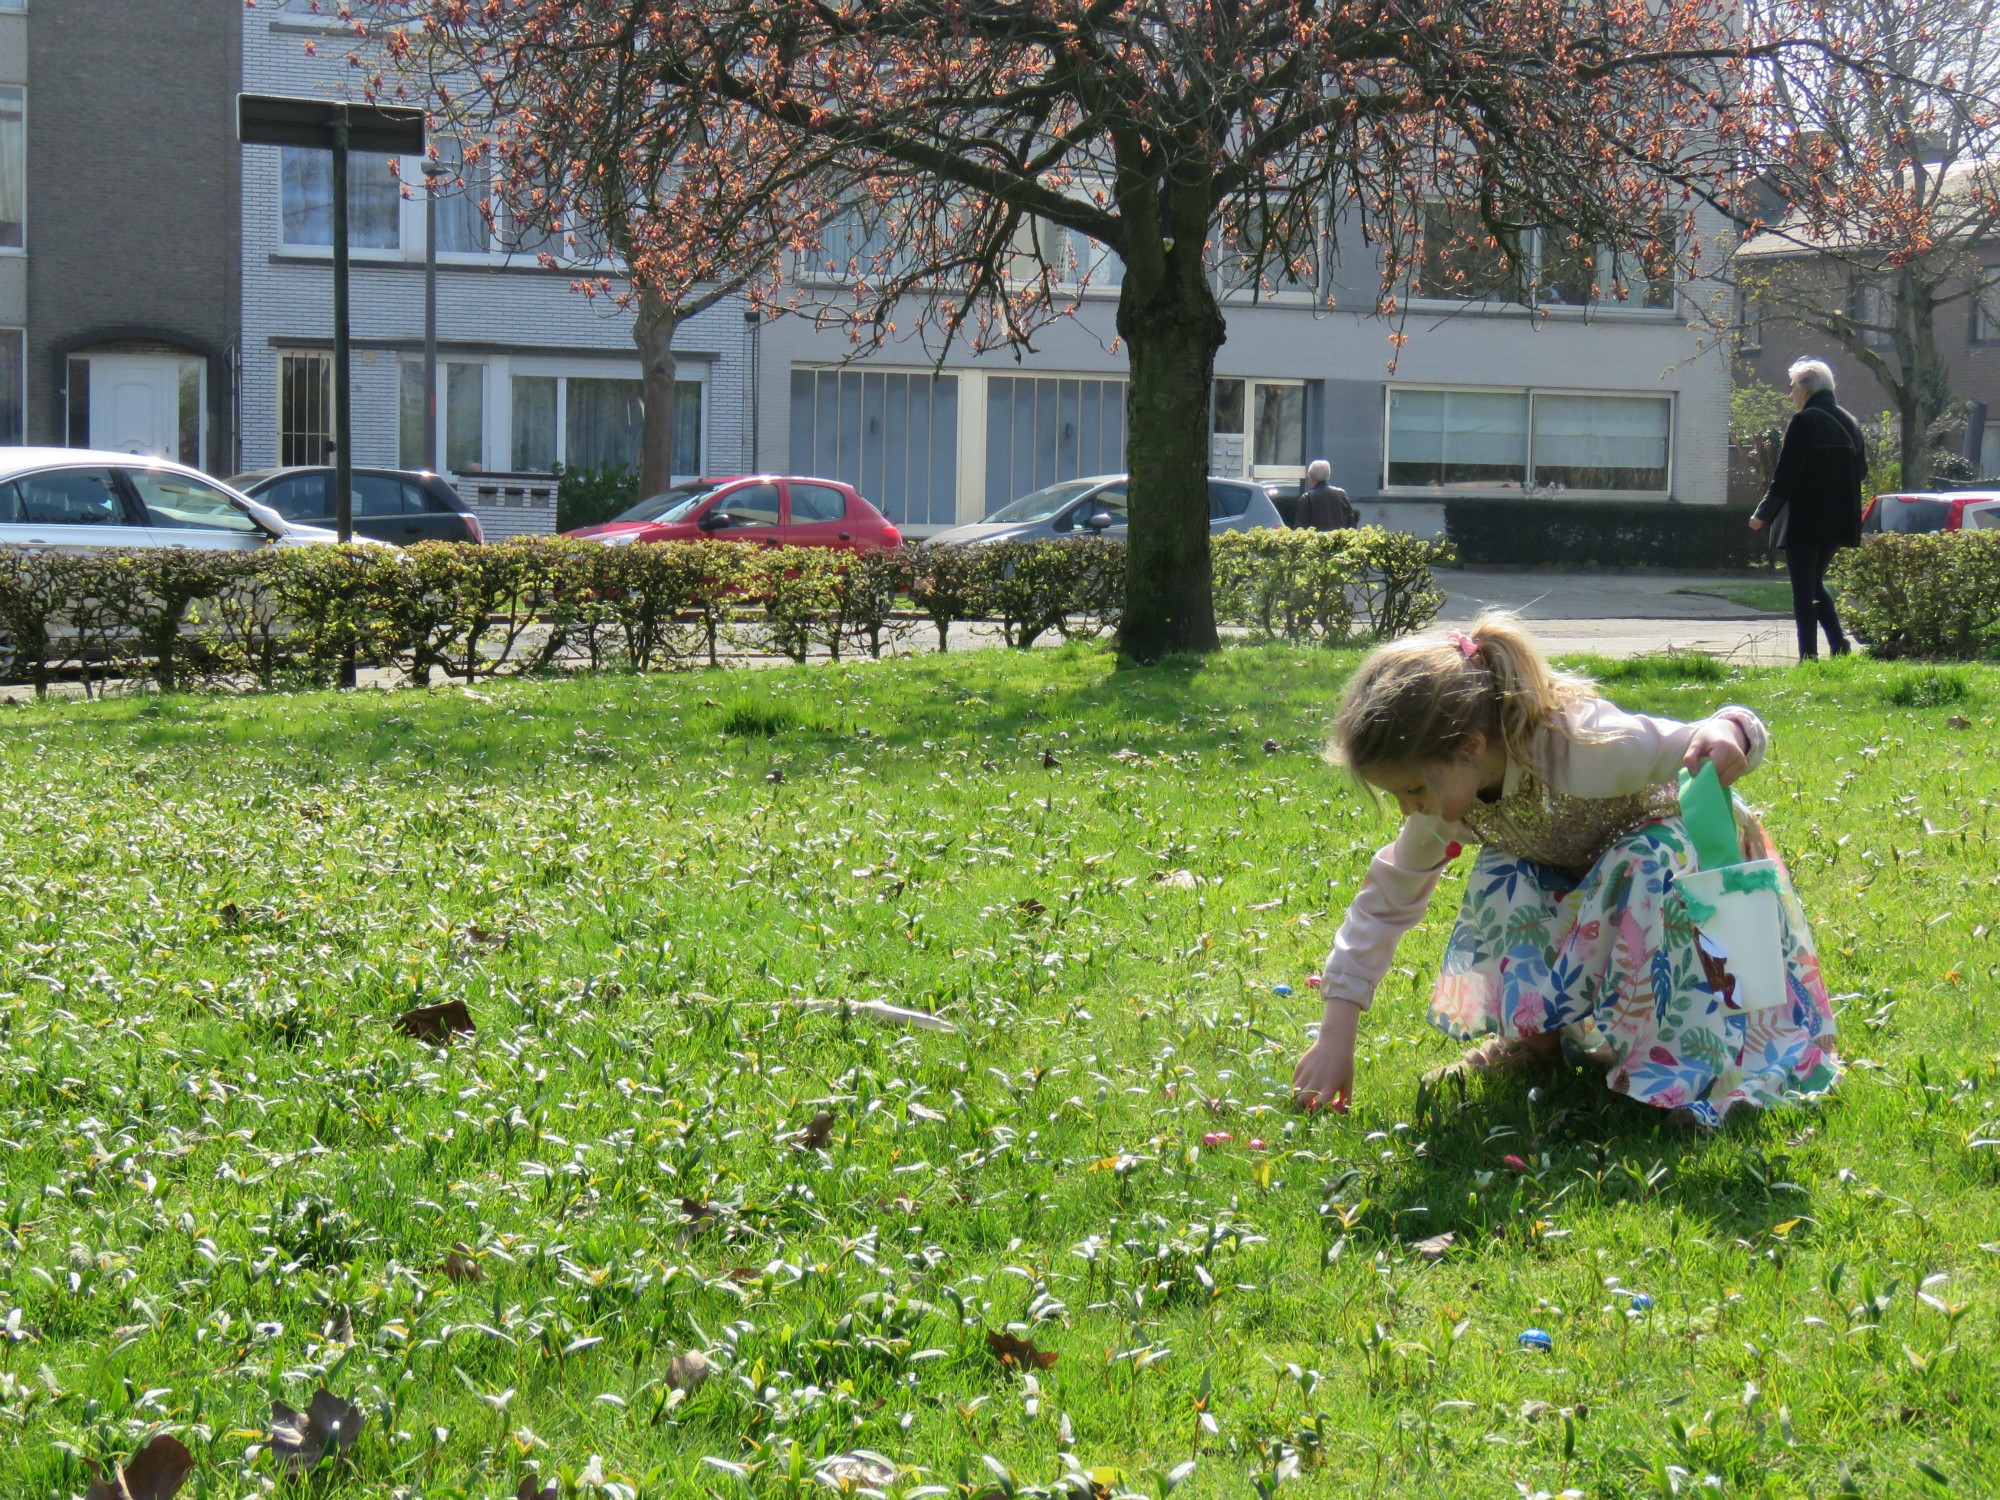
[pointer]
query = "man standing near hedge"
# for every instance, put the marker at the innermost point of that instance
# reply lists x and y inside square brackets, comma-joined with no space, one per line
[1325,506]
[1815,501]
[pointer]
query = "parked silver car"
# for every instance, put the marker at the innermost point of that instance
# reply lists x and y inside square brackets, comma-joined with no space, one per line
[1096,507]
[77,500]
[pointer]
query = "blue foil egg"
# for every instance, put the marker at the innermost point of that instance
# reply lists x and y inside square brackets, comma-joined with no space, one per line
[1281,989]
[1538,1340]
[1641,1302]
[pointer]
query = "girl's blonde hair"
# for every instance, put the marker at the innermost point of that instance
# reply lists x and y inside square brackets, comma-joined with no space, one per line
[1418,701]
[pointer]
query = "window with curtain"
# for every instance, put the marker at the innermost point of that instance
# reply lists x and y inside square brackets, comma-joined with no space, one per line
[535,449]
[374,200]
[464,418]
[602,426]
[461,202]
[410,416]
[1440,438]
[13,168]
[1281,425]
[1986,316]
[1602,442]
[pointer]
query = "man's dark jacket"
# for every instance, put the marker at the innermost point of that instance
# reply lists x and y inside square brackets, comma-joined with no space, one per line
[1817,484]
[1325,507]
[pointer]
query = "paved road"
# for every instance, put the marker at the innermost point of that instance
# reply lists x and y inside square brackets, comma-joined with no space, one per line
[1622,614]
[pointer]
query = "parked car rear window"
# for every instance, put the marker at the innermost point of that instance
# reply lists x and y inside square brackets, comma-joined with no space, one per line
[815,502]
[753,505]
[379,495]
[72,497]
[1227,501]
[299,497]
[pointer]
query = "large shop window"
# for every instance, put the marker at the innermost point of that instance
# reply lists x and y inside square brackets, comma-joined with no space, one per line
[892,435]
[374,200]
[1513,440]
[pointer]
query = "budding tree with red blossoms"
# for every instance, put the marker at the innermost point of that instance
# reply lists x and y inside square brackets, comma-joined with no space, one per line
[1887,184]
[917,148]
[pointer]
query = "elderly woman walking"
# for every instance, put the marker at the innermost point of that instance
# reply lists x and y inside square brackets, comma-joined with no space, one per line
[1815,495]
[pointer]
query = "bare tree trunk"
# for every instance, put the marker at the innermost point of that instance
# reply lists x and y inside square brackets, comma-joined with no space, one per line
[654,334]
[1173,328]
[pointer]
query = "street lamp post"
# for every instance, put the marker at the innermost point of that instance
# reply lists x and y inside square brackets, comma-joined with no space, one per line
[432,172]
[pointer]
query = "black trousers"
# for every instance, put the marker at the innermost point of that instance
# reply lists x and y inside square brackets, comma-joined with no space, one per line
[1812,605]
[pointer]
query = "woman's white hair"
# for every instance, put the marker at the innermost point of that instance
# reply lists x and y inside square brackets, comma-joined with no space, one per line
[1812,376]
[1319,471]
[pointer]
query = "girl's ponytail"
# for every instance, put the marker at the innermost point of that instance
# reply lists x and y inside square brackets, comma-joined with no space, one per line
[1418,701]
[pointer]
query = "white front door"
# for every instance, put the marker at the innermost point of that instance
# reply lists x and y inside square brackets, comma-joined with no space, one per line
[136,404]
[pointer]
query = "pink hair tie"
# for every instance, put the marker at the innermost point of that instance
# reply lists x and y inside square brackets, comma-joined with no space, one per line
[1467,646]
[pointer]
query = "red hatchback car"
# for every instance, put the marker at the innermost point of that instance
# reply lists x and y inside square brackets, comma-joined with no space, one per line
[765,509]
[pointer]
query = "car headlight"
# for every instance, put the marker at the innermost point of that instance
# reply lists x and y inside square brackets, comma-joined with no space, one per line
[619,539]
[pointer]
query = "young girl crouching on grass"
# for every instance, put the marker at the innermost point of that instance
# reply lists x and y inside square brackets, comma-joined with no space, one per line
[1572,936]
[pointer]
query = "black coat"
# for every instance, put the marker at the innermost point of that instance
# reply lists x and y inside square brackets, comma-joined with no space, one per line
[1325,507]
[1817,484]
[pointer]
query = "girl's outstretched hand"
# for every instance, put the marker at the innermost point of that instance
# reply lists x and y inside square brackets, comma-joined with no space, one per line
[1324,1077]
[1719,741]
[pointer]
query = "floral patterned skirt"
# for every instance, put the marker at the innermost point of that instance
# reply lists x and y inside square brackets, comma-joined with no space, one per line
[1610,959]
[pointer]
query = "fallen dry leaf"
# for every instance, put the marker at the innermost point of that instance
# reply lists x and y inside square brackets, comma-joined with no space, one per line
[1959,721]
[815,1133]
[528,1491]
[155,1472]
[1030,906]
[300,1440]
[1049,759]
[1018,1353]
[435,1024]
[486,939]
[1435,1247]
[462,1264]
[774,775]
[700,1216]
[688,1372]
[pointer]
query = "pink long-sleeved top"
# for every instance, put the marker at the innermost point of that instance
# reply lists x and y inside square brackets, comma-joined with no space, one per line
[1595,752]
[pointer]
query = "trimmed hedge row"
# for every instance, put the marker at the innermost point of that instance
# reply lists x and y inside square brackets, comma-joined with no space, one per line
[1934,596]
[302,615]
[1603,533]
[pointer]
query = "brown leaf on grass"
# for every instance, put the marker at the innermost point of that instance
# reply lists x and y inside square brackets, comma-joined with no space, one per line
[300,1439]
[529,1490]
[1018,1353]
[1029,906]
[1436,1246]
[435,1024]
[1959,721]
[744,1273]
[462,1264]
[688,1372]
[155,1472]
[484,938]
[815,1133]
[774,776]
[231,914]
[1049,760]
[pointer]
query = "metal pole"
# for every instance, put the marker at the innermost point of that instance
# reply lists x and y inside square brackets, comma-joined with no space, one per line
[343,458]
[432,171]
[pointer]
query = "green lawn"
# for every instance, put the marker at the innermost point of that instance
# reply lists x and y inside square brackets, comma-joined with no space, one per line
[227,1180]
[1773,596]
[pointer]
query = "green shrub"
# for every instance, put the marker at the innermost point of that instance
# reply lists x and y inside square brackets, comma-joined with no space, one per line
[801,590]
[944,581]
[871,586]
[1935,596]
[1072,585]
[36,589]
[1929,688]
[590,497]
[1328,586]
[1602,533]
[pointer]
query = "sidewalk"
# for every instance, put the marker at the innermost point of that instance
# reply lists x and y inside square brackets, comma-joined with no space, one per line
[1622,614]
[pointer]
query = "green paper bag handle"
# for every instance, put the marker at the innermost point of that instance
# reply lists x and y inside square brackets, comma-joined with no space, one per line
[1710,817]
